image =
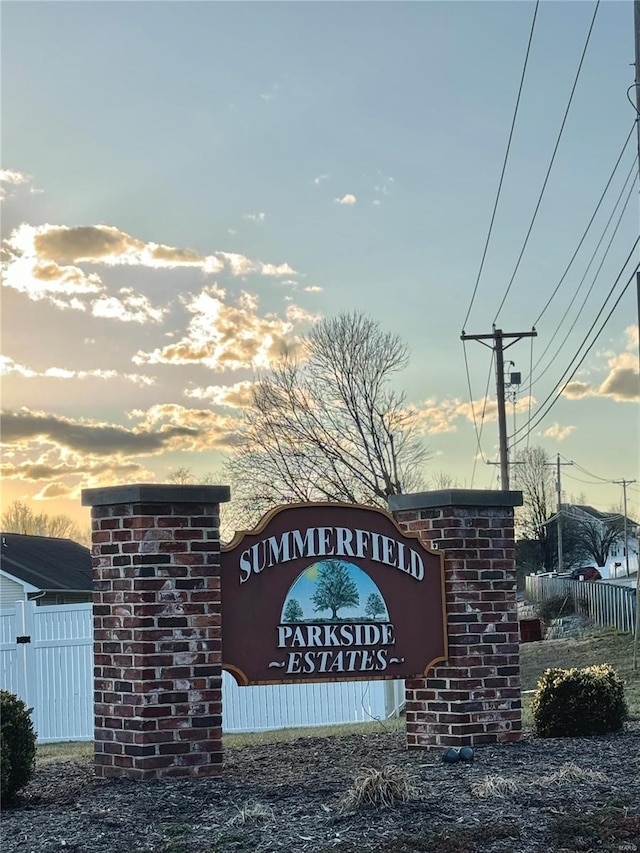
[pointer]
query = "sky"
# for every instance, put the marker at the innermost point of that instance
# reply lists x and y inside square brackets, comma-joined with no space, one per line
[186,186]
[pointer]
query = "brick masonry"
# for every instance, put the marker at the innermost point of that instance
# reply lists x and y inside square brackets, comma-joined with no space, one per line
[474,697]
[157,631]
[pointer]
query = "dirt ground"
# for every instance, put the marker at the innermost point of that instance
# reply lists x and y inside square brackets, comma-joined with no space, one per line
[539,795]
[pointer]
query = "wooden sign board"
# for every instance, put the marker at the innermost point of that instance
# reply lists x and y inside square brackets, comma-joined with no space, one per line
[330,592]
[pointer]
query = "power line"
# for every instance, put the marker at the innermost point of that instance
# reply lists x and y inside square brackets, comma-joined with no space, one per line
[504,164]
[589,224]
[541,415]
[473,413]
[551,162]
[582,280]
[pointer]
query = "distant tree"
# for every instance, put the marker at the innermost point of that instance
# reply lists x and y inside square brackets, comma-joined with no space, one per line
[443,480]
[325,422]
[374,606]
[20,518]
[293,611]
[533,475]
[181,476]
[598,536]
[334,588]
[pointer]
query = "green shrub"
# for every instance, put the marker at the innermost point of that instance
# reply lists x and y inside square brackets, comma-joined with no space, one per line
[554,607]
[578,702]
[17,745]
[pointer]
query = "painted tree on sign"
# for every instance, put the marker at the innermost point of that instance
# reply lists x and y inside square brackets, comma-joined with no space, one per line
[374,606]
[335,589]
[293,611]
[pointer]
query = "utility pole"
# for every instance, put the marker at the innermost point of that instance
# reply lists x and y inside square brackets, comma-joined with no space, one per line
[498,336]
[636,33]
[624,484]
[558,465]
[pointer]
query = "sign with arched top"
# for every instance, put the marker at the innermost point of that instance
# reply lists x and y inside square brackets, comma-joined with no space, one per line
[330,592]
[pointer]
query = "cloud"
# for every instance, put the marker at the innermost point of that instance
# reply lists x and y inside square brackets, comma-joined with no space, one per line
[320,178]
[40,470]
[383,186]
[272,94]
[559,433]
[209,430]
[349,198]
[433,416]
[84,436]
[130,307]
[11,178]
[622,382]
[107,245]
[254,217]
[9,366]
[238,396]
[225,336]
[43,279]
[44,263]
[314,288]
[577,390]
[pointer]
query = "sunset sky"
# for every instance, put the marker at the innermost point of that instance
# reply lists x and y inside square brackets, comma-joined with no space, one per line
[188,185]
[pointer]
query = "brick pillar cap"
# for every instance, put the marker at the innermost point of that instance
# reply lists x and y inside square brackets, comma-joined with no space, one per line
[454,497]
[157,493]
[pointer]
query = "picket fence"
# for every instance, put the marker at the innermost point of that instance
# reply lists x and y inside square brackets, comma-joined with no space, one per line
[53,673]
[609,605]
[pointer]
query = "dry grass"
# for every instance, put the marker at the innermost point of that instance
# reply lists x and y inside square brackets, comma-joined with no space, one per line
[501,786]
[378,788]
[252,812]
[496,786]
[570,772]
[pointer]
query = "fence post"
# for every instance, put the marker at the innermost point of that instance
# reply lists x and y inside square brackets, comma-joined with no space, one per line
[157,635]
[474,697]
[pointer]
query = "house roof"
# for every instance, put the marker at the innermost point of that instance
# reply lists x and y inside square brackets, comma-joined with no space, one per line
[598,514]
[47,563]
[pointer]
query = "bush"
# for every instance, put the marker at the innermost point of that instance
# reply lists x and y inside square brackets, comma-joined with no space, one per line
[17,745]
[554,607]
[578,702]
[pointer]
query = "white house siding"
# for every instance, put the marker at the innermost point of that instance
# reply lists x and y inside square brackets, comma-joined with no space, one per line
[10,591]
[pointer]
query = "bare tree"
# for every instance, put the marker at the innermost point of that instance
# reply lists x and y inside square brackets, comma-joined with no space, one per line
[598,536]
[325,424]
[443,480]
[533,475]
[20,518]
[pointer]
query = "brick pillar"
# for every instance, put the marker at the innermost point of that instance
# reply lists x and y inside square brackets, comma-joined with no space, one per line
[157,635]
[474,697]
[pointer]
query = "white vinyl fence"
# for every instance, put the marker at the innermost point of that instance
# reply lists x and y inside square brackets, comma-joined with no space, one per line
[607,604]
[53,673]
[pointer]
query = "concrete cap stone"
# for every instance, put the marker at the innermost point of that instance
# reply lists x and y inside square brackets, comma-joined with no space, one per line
[157,493]
[454,497]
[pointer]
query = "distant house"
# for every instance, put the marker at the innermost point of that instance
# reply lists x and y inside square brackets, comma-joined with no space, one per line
[604,532]
[52,571]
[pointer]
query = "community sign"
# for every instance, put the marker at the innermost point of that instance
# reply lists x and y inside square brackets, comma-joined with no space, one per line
[330,592]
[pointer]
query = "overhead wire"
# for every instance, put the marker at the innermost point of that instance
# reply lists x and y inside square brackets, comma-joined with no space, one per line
[630,177]
[551,162]
[529,426]
[589,224]
[473,414]
[504,164]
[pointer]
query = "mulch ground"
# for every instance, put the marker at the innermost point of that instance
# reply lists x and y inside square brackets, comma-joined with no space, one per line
[286,797]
